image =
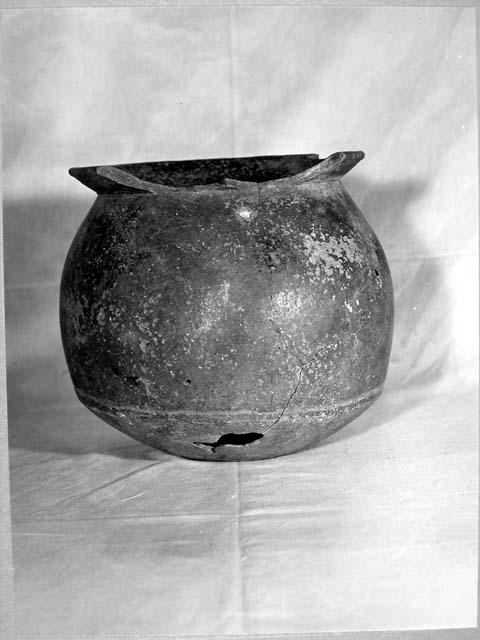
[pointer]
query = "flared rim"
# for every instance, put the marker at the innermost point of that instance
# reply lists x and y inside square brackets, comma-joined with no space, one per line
[203,172]
[154,177]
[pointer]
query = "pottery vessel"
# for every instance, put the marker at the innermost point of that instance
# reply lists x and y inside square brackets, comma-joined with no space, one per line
[226,309]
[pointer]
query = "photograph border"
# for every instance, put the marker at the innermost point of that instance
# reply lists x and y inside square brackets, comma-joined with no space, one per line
[7,631]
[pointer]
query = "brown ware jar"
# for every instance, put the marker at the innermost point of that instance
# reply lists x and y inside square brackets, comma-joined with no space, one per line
[226,309]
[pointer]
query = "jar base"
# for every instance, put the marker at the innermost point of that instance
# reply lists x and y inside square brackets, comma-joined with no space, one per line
[222,436]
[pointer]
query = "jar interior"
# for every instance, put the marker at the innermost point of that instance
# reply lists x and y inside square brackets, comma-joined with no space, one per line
[191,173]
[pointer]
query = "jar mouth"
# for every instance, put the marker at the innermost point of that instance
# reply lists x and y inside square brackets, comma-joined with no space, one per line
[192,173]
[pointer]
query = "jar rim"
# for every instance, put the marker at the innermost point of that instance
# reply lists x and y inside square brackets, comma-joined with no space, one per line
[216,173]
[201,172]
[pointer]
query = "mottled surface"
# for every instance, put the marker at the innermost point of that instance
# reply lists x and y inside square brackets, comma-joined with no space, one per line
[189,315]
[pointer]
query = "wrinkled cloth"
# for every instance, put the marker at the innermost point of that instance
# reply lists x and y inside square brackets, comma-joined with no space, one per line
[376,528]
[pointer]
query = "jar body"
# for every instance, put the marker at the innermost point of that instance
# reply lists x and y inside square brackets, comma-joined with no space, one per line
[233,323]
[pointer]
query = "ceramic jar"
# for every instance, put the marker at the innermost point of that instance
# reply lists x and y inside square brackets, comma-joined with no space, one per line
[226,309]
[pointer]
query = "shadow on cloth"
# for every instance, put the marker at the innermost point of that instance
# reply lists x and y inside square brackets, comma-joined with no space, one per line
[43,410]
[37,236]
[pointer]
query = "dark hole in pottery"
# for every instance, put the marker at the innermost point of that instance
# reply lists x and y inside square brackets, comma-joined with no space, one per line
[376,272]
[188,381]
[232,438]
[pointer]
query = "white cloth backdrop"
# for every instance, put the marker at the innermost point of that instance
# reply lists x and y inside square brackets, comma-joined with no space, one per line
[377,528]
